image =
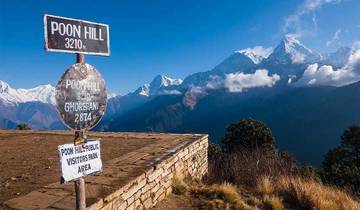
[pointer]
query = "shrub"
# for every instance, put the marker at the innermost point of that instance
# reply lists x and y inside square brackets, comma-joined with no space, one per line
[341,165]
[23,126]
[248,134]
[214,151]
[309,172]
[245,167]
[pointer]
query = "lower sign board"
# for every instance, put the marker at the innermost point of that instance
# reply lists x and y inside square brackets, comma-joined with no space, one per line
[81,97]
[81,160]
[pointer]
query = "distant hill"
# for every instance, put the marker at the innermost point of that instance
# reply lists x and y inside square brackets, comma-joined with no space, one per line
[307,121]
[306,97]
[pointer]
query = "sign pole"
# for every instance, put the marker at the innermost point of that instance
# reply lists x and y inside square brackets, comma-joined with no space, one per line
[80,95]
[80,194]
[80,183]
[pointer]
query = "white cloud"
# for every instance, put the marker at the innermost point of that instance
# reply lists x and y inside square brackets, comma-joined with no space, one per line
[316,75]
[192,95]
[169,92]
[297,57]
[215,82]
[237,82]
[291,78]
[326,75]
[334,39]
[294,22]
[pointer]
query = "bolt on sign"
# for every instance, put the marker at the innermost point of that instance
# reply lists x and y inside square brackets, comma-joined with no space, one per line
[81,97]
[79,160]
[76,36]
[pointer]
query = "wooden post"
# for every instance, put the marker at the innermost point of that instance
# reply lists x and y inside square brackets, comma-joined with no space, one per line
[80,183]
[80,194]
[80,58]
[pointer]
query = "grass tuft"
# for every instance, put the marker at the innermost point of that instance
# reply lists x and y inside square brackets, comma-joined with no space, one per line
[264,186]
[273,202]
[308,194]
[220,196]
[178,186]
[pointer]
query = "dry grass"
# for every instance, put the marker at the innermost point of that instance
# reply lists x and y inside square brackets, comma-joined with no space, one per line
[220,196]
[178,186]
[264,186]
[279,193]
[275,182]
[273,202]
[306,194]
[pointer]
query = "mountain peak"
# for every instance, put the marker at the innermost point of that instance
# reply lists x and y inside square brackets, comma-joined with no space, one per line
[158,83]
[144,90]
[42,93]
[4,87]
[291,50]
[256,54]
[337,59]
[164,81]
[290,39]
[291,43]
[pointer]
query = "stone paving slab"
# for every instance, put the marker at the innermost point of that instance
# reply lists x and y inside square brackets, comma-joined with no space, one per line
[117,172]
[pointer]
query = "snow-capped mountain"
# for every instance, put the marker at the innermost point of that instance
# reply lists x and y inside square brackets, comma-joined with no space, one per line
[337,59]
[251,68]
[12,96]
[241,60]
[291,50]
[256,54]
[289,59]
[143,90]
[160,85]
[34,106]
[249,84]
[156,86]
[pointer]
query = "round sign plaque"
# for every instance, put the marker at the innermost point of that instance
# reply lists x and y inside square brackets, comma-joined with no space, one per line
[81,97]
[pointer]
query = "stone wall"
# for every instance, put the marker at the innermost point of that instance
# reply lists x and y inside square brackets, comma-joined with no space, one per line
[156,183]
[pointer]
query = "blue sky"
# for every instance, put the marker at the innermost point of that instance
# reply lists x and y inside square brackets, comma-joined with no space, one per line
[175,38]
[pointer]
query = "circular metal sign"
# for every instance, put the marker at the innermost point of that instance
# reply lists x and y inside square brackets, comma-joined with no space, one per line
[81,97]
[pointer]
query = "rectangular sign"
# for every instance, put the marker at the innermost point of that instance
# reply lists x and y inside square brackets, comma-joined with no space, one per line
[76,36]
[80,160]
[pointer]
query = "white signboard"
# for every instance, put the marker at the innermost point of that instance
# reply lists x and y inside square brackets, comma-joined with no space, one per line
[81,160]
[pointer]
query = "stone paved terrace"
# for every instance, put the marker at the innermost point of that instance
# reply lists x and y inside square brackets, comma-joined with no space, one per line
[137,169]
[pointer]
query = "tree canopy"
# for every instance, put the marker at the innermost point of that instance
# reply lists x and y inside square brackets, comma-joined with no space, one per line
[248,134]
[341,165]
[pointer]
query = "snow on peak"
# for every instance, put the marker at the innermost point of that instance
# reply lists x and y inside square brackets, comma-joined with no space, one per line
[157,85]
[42,93]
[291,50]
[111,95]
[164,81]
[339,58]
[4,87]
[144,90]
[292,44]
[256,54]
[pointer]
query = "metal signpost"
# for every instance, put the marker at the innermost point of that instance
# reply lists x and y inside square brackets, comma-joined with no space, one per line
[80,95]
